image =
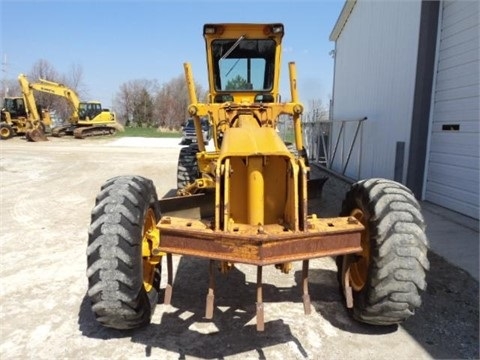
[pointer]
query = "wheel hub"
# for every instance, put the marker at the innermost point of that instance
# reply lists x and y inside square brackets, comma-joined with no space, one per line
[150,240]
[361,261]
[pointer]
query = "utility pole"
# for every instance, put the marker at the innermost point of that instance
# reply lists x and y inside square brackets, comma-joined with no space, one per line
[4,71]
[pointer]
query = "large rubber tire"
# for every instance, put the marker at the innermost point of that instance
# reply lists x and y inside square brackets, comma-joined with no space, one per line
[123,274]
[187,167]
[388,277]
[6,131]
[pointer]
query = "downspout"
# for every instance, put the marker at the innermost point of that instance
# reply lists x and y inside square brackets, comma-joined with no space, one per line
[427,39]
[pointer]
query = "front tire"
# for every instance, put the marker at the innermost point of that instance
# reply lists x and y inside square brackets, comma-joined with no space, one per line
[123,273]
[387,278]
[6,131]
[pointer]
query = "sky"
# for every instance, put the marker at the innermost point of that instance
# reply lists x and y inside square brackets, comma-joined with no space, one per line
[116,41]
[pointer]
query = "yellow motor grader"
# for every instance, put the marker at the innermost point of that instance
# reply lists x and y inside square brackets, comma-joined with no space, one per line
[251,200]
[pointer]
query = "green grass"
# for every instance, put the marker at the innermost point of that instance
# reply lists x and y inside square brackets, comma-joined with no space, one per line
[146,132]
[287,135]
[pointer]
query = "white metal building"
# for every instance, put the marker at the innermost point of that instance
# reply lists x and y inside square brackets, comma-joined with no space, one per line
[412,68]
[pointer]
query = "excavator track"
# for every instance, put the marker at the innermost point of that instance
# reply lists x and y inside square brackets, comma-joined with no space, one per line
[84,132]
[60,131]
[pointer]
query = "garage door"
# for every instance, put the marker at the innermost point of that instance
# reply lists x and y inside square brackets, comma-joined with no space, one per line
[453,164]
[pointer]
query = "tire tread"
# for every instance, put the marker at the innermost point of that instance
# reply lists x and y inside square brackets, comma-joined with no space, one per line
[399,248]
[114,263]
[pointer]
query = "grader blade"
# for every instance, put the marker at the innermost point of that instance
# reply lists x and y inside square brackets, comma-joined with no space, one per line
[315,187]
[195,207]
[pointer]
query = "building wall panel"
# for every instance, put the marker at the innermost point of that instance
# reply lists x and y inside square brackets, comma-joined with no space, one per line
[453,166]
[375,64]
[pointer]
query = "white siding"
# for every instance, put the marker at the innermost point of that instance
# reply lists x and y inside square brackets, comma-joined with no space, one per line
[453,164]
[375,66]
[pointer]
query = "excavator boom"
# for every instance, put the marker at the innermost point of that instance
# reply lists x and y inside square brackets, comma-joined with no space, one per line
[87,118]
[53,88]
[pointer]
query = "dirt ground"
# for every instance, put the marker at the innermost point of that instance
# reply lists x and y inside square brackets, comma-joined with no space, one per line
[47,192]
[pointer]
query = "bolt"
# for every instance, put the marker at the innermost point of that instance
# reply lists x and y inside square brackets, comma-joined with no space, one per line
[166,220]
[352,220]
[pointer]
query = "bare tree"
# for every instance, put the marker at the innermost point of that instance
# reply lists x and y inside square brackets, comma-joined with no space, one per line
[10,88]
[123,103]
[74,80]
[134,103]
[144,103]
[171,103]
[42,69]
[317,111]
[316,129]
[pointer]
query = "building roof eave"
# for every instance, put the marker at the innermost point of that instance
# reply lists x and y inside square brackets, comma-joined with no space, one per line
[342,19]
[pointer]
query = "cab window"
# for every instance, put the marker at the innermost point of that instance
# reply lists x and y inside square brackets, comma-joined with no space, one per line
[243,64]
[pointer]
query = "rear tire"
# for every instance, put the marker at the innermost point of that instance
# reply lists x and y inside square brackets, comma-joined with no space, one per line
[187,167]
[123,274]
[387,278]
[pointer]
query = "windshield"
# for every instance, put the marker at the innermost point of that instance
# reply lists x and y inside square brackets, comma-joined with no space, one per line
[89,110]
[191,125]
[243,64]
[13,104]
[8,104]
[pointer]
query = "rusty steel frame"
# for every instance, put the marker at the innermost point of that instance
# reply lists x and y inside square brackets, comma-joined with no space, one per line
[328,237]
[324,237]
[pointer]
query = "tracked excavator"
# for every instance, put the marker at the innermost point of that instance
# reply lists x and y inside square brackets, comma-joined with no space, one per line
[87,119]
[252,194]
[22,116]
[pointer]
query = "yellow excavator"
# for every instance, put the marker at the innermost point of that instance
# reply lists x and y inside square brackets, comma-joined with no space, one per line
[22,116]
[88,118]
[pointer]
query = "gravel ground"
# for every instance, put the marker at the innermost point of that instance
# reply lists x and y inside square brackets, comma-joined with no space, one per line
[47,193]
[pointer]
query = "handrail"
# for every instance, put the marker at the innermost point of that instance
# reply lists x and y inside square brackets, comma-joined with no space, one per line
[325,140]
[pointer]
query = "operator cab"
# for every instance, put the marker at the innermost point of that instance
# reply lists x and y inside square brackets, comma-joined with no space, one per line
[89,110]
[243,63]
[15,106]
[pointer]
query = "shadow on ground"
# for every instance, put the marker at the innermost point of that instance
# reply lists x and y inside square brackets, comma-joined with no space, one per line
[184,330]
[446,325]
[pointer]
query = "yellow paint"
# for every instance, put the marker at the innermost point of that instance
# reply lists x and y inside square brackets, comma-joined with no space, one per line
[255,191]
